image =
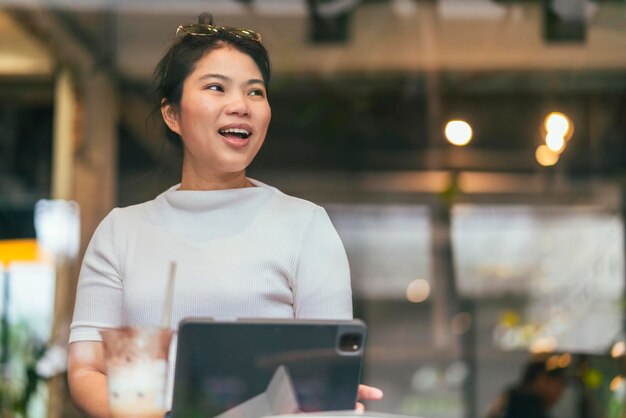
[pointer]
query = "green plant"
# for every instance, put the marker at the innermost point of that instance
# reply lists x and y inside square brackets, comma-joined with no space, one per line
[19,381]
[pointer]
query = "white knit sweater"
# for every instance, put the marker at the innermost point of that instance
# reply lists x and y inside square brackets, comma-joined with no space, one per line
[247,253]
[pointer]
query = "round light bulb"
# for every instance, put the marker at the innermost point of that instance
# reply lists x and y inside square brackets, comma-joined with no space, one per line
[458,132]
[557,123]
[555,141]
[616,383]
[545,156]
[418,291]
[618,350]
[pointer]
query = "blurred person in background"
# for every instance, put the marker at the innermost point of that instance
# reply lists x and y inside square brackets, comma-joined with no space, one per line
[539,389]
[243,248]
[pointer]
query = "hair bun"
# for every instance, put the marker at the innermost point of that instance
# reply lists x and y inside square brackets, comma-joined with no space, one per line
[205,19]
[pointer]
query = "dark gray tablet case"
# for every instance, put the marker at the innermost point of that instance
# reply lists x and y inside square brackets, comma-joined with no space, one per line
[255,368]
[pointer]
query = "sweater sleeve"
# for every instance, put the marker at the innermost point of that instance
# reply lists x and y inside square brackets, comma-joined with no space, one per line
[322,280]
[99,292]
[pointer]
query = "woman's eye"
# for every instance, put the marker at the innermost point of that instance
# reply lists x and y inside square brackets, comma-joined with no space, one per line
[257,92]
[214,87]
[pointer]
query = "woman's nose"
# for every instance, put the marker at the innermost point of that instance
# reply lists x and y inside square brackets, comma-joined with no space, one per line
[237,105]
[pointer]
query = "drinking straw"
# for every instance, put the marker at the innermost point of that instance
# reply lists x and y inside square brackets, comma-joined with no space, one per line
[167,309]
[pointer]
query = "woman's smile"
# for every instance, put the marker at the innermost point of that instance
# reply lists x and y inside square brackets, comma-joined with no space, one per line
[236,135]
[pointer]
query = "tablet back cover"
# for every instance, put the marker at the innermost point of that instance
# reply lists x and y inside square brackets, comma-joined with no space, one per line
[248,369]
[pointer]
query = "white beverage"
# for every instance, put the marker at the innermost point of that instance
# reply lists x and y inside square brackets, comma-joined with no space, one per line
[136,360]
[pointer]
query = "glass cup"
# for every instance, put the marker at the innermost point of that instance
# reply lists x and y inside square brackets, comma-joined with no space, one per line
[137,364]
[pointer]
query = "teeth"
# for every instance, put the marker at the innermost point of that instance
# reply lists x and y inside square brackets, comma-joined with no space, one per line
[235,131]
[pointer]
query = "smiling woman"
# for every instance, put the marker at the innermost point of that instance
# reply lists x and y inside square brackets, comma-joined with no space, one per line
[243,248]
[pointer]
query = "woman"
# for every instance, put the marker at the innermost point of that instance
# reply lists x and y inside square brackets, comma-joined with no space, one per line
[243,248]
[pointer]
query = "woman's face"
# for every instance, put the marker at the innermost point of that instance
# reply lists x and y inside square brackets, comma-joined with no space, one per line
[224,113]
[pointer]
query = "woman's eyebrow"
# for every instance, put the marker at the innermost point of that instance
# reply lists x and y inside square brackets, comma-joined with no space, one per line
[228,79]
[218,76]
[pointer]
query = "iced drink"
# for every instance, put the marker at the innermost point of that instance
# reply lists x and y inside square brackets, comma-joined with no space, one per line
[136,363]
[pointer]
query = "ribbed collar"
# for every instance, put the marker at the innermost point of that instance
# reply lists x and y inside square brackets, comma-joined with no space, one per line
[209,200]
[202,215]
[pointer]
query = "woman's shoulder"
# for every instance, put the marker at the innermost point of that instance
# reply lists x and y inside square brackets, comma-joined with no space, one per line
[132,214]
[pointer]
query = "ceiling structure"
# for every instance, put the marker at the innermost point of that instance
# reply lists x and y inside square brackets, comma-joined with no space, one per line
[451,53]
[383,36]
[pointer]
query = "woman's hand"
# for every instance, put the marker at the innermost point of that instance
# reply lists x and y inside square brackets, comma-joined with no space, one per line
[367,393]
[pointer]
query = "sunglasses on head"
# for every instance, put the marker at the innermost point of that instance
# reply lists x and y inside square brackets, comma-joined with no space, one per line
[200,29]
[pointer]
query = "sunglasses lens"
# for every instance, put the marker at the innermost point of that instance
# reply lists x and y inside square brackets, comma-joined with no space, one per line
[245,33]
[200,29]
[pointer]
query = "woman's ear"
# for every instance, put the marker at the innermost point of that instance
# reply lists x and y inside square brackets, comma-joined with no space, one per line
[170,116]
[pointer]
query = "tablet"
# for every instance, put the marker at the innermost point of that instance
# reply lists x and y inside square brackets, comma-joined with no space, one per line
[257,368]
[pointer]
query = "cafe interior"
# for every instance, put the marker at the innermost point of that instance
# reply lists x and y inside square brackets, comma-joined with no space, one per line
[470,153]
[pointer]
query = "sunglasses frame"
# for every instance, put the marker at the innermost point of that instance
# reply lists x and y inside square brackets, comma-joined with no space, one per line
[201,29]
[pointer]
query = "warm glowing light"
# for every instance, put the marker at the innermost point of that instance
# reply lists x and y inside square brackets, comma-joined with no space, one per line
[461,323]
[564,360]
[543,345]
[555,141]
[458,132]
[557,123]
[545,156]
[558,361]
[418,291]
[616,383]
[619,349]
[552,363]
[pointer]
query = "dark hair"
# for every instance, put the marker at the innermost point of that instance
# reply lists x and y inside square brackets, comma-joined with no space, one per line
[180,60]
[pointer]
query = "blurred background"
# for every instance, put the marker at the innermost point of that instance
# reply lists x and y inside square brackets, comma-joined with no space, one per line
[471,154]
